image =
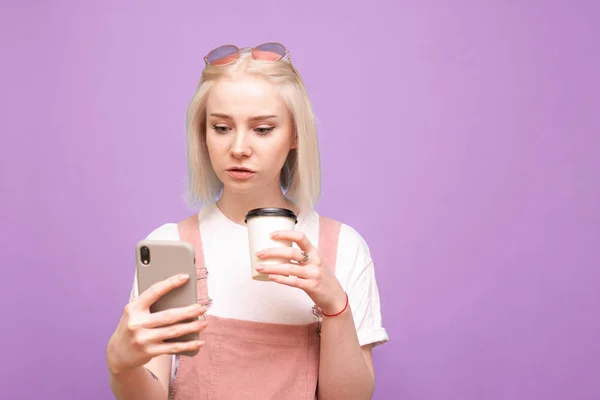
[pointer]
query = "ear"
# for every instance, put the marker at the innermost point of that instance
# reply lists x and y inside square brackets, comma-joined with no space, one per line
[294,142]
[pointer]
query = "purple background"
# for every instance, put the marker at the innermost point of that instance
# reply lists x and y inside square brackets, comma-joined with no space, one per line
[461,139]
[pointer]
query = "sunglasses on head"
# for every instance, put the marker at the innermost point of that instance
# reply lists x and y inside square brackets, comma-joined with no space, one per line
[228,53]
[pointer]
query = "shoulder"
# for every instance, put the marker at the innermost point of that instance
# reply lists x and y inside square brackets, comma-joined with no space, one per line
[348,236]
[167,231]
[352,246]
[170,230]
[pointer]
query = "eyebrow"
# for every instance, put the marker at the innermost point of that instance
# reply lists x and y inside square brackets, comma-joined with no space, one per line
[255,118]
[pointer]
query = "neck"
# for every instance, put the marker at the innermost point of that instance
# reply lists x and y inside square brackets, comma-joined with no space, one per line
[236,205]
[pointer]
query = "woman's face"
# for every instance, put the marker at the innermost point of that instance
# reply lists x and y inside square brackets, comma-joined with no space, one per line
[248,133]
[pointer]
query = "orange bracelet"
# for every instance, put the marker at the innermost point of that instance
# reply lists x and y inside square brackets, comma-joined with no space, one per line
[334,315]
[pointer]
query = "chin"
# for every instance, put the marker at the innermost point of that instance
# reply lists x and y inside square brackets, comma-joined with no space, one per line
[239,186]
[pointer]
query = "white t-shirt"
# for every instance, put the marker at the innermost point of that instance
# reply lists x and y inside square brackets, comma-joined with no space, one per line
[236,295]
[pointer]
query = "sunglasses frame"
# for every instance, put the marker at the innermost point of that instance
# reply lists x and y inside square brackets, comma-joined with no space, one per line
[252,49]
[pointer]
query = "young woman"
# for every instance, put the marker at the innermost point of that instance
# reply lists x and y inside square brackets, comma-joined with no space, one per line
[309,330]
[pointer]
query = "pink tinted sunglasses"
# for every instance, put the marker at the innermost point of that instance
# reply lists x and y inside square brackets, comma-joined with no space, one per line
[228,53]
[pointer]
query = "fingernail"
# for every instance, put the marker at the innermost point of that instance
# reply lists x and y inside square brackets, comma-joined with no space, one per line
[274,234]
[260,268]
[259,253]
[183,277]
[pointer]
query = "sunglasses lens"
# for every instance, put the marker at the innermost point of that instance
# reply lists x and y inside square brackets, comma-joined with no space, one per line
[269,52]
[222,55]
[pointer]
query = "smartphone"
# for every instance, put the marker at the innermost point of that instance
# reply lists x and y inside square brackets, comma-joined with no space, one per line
[158,260]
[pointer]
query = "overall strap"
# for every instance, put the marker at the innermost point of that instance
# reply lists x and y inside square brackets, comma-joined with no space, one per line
[329,232]
[189,231]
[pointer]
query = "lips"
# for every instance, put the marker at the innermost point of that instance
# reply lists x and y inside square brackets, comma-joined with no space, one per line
[239,169]
[240,173]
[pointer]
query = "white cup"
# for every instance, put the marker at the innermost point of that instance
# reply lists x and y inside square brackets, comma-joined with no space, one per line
[261,223]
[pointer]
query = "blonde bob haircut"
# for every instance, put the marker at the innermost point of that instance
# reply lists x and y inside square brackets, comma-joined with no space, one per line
[300,177]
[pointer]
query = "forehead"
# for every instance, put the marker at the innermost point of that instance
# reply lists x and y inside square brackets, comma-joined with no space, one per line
[245,96]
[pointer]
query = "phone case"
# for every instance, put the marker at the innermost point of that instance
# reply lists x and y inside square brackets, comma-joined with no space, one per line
[168,258]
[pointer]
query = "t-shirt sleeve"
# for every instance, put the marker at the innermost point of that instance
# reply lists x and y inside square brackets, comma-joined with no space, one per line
[356,271]
[164,232]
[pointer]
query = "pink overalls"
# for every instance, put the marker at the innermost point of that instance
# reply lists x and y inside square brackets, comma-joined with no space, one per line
[252,360]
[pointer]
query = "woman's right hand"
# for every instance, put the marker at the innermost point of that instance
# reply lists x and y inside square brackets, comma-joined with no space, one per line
[140,333]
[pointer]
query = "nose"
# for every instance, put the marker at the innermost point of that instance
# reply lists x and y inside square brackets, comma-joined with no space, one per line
[240,147]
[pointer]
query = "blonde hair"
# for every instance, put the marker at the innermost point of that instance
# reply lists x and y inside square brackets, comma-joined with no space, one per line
[301,172]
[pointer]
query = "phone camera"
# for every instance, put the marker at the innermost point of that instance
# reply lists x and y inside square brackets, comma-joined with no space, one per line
[145,255]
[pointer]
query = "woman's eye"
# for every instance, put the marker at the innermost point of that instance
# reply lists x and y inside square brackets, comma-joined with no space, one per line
[264,130]
[220,128]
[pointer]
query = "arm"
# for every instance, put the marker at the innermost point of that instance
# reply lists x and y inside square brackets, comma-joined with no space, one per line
[346,368]
[148,382]
[138,358]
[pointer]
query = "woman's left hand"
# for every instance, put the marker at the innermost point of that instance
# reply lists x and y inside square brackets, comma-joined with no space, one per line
[312,276]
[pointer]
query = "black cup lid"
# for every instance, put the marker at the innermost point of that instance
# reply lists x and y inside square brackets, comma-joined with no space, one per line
[271,212]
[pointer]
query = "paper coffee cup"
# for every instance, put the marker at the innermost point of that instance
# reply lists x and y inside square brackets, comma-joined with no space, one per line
[261,223]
